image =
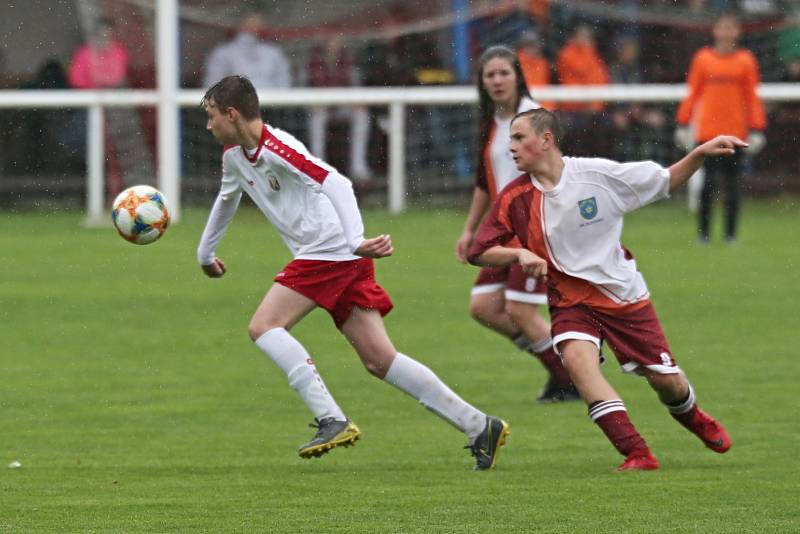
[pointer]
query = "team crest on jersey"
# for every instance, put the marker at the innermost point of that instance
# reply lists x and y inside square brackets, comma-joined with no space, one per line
[588,208]
[273,182]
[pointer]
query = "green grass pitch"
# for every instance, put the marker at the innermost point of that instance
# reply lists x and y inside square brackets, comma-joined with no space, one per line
[135,402]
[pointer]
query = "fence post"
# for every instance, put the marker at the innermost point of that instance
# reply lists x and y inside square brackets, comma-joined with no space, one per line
[95,165]
[169,143]
[397,157]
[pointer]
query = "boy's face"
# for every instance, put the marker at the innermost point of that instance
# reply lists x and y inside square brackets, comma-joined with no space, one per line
[527,146]
[221,124]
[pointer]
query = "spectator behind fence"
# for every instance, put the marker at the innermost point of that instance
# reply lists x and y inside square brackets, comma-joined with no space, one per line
[63,131]
[246,54]
[722,100]
[101,63]
[535,66]
[637,127]
[330,65]
[579,63]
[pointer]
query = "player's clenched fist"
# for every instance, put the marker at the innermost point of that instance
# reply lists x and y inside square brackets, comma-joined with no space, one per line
[377,247]
[722,145]
[532,264]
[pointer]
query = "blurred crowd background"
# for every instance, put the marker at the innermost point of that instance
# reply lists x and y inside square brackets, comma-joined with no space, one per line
[49,44]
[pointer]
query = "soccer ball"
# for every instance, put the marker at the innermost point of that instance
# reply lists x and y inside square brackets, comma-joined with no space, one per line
[140,214]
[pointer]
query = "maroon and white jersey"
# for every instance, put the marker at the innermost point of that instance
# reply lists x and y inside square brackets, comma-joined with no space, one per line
[577,227]
[308,201]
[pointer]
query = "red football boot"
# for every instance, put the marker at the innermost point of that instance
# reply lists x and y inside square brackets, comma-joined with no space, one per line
[642,460]
[709,430]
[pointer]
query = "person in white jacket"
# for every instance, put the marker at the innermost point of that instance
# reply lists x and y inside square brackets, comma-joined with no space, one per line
[265,64]
[314,209]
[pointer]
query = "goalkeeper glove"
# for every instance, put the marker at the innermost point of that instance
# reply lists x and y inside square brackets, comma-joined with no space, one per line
[683,138]
[756,142]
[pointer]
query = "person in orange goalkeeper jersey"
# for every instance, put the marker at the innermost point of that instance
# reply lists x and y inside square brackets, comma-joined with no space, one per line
[722,100]
[535,65]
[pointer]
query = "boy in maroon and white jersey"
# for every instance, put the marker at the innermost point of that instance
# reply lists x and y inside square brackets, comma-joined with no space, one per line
[568,214]
[315,211]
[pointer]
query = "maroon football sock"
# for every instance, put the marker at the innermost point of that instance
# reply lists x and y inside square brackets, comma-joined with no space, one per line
[612,418]
[686,418]
[553,363]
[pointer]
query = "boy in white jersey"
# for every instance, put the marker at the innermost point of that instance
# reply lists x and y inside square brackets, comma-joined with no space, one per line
[568,212]
[315,211]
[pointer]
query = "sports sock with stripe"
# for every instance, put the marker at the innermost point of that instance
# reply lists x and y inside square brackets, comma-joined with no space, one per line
[303,376]
[612,418]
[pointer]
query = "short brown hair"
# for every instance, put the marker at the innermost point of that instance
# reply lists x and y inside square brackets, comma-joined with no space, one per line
[543,120]
[234,92]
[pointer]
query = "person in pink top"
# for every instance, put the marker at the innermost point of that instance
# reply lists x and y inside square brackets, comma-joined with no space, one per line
[101,63]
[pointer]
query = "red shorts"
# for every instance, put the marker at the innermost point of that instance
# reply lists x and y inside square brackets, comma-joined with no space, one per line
[635,337]
[517,285]
[337,286]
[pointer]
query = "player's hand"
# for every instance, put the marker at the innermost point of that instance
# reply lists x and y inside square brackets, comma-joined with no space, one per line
[683,138]
[463,244]
[531,264]
[215,269]
[755,142]
[377,247]
[722,145]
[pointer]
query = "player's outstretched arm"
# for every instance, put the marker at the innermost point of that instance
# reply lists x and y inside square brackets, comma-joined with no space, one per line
[499,256]
[377,247]
[216,269]
[722,145]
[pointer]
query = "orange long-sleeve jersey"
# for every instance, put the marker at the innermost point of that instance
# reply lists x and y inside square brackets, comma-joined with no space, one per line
[579,64]
[536,70]
[722,95]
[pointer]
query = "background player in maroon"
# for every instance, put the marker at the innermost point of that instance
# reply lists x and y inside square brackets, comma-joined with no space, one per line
[504,298]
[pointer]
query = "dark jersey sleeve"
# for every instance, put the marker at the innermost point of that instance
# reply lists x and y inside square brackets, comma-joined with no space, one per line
[481,181]
[495,230]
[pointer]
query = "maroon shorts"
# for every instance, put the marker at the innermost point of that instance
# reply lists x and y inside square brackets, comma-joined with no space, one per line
[517,285]
[337,286]
[635,337]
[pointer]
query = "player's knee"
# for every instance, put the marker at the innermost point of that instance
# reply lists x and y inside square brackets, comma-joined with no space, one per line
[672,384]
[258,327]
[481,313]
[577,359]
[376,368]
[520,312]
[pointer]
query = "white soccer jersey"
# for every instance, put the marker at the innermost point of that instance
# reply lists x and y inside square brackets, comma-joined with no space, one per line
[577,227]
[505,170]
[582,219]
[499,168]
[307,200]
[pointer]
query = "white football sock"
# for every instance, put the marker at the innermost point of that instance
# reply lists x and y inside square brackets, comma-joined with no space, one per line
[415,379]
[295,361]
[538,347]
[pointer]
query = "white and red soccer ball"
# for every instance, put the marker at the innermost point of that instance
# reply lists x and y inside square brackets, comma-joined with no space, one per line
[140,214]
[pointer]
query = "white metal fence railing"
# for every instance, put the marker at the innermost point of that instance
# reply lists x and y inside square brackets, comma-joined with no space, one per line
[396,99]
